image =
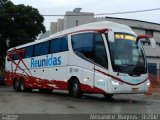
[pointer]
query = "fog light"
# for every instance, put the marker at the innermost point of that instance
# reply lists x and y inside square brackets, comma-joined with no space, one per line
[115,82]
[148,83]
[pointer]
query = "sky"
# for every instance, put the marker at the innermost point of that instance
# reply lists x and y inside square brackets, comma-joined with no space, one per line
[59,7]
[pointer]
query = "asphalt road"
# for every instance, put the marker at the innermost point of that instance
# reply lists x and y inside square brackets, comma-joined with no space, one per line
[59,102]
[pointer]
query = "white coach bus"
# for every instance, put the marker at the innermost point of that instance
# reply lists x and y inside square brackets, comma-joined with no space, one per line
[101,57]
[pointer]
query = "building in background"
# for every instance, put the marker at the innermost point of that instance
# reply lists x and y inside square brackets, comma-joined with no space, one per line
[76,18]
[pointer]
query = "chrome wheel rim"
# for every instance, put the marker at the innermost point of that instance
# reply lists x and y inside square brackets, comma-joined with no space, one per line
[75,88]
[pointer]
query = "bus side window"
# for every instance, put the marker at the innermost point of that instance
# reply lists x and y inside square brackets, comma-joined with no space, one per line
[64,44]
[59,45]
[83,43]
[55,46]
[41,49]
[100,51]
[15,57]
[28,52]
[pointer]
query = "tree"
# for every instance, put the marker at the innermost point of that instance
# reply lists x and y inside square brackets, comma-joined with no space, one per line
[19,24]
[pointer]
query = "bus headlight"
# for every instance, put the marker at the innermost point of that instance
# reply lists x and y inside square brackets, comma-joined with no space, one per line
[148,83]
[114,82]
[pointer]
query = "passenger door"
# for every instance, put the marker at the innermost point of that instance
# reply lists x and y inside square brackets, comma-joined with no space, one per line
[82,58]
[101,64]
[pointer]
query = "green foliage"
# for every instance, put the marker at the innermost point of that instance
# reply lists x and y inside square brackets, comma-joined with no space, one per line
[19,24]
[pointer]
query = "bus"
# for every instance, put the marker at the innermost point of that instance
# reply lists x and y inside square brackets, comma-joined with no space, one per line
[101,57]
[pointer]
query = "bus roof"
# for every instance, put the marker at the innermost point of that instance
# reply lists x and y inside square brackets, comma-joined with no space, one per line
[90,26]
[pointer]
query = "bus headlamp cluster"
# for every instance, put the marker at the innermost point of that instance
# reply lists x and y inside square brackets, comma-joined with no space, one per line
[114,82]
[148,83]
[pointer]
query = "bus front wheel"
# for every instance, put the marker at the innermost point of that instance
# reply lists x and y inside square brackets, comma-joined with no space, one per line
[75,89]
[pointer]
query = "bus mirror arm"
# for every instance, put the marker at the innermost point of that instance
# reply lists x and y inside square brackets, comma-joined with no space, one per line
[151,39]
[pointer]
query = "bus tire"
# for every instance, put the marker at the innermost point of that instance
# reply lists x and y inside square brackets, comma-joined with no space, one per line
[22,86]
[108,96]
[45,90]
[75,89]
[16,85]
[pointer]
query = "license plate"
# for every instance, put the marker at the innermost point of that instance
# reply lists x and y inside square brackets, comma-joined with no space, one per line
[135,89]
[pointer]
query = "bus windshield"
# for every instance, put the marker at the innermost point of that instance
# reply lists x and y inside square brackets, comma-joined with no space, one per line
[126,55]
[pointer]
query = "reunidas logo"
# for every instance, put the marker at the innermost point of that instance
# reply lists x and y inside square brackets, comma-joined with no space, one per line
[46,62]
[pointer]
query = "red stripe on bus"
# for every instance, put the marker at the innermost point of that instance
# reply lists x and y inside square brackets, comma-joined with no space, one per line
[37,83]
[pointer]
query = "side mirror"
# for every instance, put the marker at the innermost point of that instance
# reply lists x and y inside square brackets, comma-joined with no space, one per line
[153,42]
[151,39]
[111,36]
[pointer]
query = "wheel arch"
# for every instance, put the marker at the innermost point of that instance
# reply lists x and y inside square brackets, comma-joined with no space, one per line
[21,78]
[14,79]
[71,80]
[74,87]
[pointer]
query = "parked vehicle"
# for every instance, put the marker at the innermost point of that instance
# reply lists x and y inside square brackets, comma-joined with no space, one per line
[101,57]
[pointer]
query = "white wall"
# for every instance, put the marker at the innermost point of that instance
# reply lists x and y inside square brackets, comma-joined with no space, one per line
[82,18]
[156,36]
[60,25]
[138,31]
[152,52]
[53,28]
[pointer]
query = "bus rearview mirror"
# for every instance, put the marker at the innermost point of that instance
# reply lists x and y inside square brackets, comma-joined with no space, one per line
[111,36]
[153,43]
[151,39]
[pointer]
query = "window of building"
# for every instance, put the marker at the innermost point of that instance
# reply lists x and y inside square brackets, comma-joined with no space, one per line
[41,49]
[76,22]
[83,43]
[149,32]
[59,45]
